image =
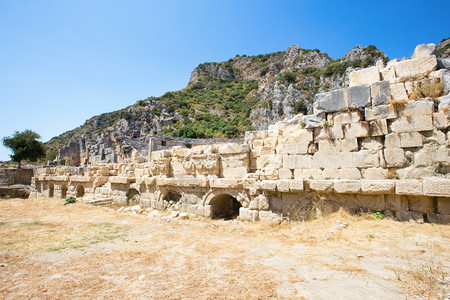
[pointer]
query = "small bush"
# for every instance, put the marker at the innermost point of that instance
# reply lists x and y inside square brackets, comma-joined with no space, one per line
[378,215]
[69,200]
[142,103]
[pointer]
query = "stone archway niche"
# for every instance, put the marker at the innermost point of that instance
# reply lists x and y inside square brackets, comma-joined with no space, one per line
[224,206]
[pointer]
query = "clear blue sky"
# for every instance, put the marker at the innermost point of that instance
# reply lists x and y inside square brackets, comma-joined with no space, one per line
[62,62]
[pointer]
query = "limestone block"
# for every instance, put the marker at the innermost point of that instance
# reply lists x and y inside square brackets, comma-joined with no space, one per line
[333,160]
[371,143]
[331,132]
[359,96]
[444,63]
[322,185]
[410,139]
[421,204]
[348,144]
[360,129]
[238,172]
[388,73]
[378,127]
[441,120]
[443,76]
[438,218]
[150,180]
[270,142]
[330,174]
[268,185]
[444,103]
[350,173]
[336,100]
[408,187]
[443,205]
[271,161]
[436,187]
[285,174]
[424,50]
[364,76]
[298,136]
[413,123]
[119,180]
[413,68]
[416,108]
[443,156]
[266,150]
[396,202]
[283,185]
[313,173]
[380,93]
[298,161]
[299,148]
[395,157]
[425,156]
[270,217]
[378,186]
[329,145]
[366,159]
[345,117]
[233,148]
[245,214]
[347,186]
[380,112]
[398,91]
[295,185]
[160,155]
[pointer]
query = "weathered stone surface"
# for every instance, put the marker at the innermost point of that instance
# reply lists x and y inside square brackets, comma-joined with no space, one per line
[270,217]
[410,139]
[388,73]
[336,100]
[268,185]
[441,120]
[359,96]
[408,216]
[350,173]
[360,129]
[377,186]
[416,108]
[347,186]
[380,93]
[413,68]
[380,112]
[396,202]
[378,127]
[283,185]
[321,185]
[436,187]
[395,157]
[408,187]
[421,204]
[398,91]
[345,117]
[295,185]
[364,76]
[443,205]
[424,50]
[413,123]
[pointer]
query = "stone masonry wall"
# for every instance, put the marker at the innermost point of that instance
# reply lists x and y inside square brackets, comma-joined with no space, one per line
[382,144]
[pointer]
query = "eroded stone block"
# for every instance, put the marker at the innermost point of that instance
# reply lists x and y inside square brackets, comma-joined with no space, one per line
[380,93]
[380,112]
[347,186]
[413,68]
[408,187]
[378,186]
[395,157]
[364,76]
[359,96]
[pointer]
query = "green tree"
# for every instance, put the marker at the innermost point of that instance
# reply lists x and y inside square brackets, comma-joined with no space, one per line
[25,146]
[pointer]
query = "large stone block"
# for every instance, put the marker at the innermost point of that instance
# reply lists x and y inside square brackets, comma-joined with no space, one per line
[380,112]
[283,185]
[443,76]
[285,174]
[349,144]
[313,173]
[424,50]
[299,148]
[398,91]
[436,187]
[378,186]
[359,96]
[444,103]
[331,132]
[409,216]
[413,68]
[337,160]
[416,108]
[238,172]
[270,217]
[443,205]
[396,202]
[321,185]
[329,146]
[296,185]
[360,129]
[233,148]
[349,173]
[422,204]
[298,162]
[395,157]
[364,76]
[366,158]
[332,101]
[388,73]
[378,127]
[413,123]
[271,161]
[372,202]
[380,93]
[408,187]
[345,117]
[268,185]
[441,120]
[410,139]
[347,186]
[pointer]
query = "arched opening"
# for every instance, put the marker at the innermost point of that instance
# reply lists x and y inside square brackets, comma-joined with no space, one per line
[51,190]
[172,196]
[224,206]
[133,196]
[80,191]
[63,191]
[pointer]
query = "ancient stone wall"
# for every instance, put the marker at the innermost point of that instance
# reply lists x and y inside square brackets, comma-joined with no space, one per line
[15,183]
[382,144]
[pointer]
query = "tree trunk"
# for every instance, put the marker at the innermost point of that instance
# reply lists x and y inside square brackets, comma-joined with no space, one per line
[18,165]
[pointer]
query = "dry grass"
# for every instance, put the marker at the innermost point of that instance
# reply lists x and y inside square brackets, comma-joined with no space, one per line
[53,251]
[427,88]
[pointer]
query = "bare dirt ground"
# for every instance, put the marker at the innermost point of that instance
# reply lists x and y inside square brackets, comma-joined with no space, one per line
[77,251]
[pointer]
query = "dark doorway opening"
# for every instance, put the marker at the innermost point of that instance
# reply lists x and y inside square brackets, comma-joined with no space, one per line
[51,190]
[225,206]
[80,191]
[133,196]
[64,191]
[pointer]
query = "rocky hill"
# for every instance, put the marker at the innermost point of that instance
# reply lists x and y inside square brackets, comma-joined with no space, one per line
[225,99]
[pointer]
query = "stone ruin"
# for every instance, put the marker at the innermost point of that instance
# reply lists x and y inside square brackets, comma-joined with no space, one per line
[382,144]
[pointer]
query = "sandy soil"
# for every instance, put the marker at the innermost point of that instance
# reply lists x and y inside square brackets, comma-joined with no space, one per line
[77,251]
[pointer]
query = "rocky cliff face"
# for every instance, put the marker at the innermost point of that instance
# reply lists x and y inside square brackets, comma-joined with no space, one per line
[225,99]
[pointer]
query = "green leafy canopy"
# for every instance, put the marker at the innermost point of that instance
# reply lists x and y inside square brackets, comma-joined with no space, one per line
[25,146]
